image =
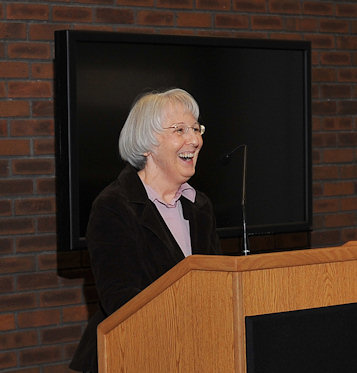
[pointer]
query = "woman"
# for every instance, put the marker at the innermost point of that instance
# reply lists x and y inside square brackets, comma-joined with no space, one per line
[149,219]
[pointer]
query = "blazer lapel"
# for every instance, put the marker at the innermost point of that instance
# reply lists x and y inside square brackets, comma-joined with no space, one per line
[152,220]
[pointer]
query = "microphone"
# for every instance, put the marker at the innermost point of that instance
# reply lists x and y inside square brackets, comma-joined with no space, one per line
[225,159]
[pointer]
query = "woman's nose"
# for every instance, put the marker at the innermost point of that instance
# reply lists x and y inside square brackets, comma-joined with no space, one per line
[192,137]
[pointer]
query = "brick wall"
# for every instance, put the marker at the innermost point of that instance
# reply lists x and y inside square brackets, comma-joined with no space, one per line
[45,297]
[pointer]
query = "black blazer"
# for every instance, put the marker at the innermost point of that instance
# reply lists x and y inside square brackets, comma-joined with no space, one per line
[130,246]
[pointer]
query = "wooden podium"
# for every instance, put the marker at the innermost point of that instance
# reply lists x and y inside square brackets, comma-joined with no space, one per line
[192,319]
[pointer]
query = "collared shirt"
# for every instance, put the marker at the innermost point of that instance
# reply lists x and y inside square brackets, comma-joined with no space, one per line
[172,214]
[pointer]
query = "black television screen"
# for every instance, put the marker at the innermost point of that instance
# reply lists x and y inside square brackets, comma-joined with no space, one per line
[252,92]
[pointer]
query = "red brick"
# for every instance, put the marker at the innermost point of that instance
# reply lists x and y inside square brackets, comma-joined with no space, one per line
[347,10]
[36,243]
[75,313]
[27,11]
[337,124]
[347,75]
[17,264]
[324,238]
[30,206]
[3,90]
[334,26]
[349,171]
[42,109]
[17,302]
[61,334]
[249,5]
[347,107]
[44,31]
[180,4]
[147,3]
[349,235]
[16,226]
[326,205]
[347,139]
[46,224]
[157,18]
[194,19]
[334,91]
[39,166]
[339,188]
[231,21]
[6,284]
[324,140]
[266,23]
[317,190]
[335,58]
[44,146]
[285,6]
[29,89]
[34,319]
[323,74]
[42,354]
[338,155]
[318,8]
[340,220]
[6,245]
[45,186]
[8,360]
[14,147]
[18,339]
[14,70]
[42,70]
[349,204]
[316,156]
[291,240]
[62,368]
[321,41]
[324,107]
[72,14]
[7,322]
[3,127]
[32,127]
[47,261]
[326,172]
[213,4]
[41,280]
[5,207]
[347,42]
[354,27]
[301,24]
[12,31]
[16,186]
[29,50]
[60,297]
[111,15]
[14,109]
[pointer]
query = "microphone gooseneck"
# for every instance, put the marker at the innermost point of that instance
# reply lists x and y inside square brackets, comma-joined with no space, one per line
[225,159]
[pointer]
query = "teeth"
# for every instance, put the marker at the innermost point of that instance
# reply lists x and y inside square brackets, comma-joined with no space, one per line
[186,155]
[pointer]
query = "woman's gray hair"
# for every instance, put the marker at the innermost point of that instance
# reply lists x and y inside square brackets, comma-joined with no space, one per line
[144,122]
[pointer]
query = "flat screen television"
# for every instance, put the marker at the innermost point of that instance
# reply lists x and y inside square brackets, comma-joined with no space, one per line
[251,92]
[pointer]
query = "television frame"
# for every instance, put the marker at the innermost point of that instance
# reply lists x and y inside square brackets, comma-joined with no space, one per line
[67,167]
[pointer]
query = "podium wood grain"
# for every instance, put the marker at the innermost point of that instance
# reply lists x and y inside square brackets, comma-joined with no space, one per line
[192,318]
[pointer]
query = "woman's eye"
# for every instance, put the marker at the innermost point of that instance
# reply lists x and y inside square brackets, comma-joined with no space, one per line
[179,130]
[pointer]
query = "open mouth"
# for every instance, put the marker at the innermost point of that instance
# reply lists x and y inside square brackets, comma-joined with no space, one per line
[186,156]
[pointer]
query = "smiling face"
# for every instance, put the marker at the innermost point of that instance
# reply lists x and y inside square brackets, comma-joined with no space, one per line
[172,162]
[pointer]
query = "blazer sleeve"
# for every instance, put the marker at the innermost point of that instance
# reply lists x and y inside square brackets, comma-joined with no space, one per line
[114,244]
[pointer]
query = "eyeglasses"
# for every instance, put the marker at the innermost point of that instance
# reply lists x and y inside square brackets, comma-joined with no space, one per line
[182,129]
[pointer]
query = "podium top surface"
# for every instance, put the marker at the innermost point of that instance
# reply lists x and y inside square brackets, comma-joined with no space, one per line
[255,262]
